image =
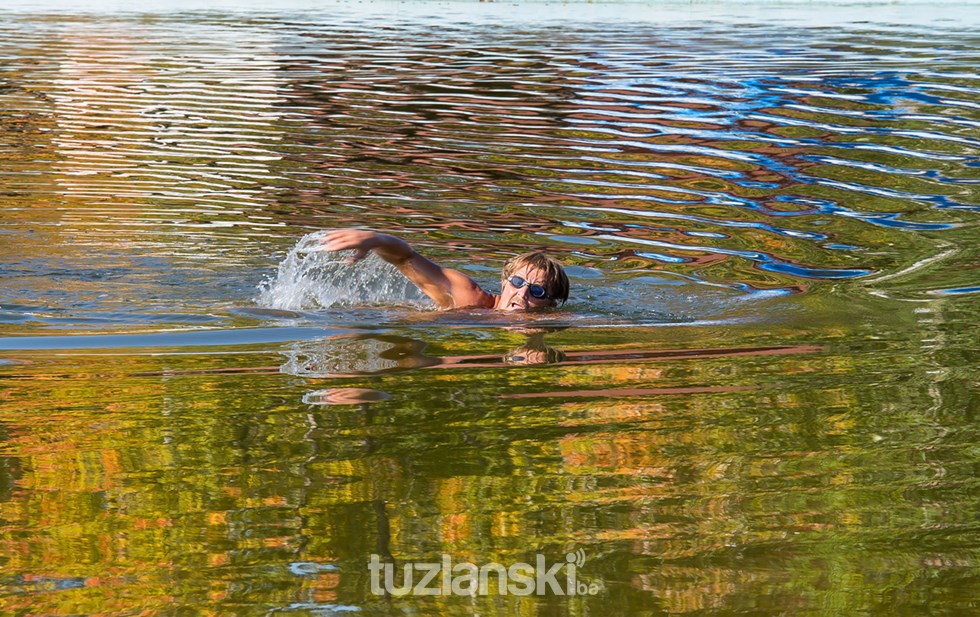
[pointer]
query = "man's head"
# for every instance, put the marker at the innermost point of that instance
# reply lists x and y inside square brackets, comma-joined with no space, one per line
[524,279]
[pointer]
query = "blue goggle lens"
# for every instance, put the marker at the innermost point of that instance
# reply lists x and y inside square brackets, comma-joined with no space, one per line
[537,291]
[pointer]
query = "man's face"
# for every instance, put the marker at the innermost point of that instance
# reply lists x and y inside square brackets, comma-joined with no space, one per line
[519,298]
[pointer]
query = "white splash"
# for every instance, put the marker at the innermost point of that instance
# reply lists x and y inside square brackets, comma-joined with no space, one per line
[311,278]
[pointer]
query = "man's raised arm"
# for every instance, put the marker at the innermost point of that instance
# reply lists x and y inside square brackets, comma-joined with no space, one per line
[448,288]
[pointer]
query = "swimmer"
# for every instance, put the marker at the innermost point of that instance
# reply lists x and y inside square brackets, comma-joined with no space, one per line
[530,282]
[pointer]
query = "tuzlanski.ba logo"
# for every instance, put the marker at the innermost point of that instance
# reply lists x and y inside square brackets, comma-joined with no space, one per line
[443,578]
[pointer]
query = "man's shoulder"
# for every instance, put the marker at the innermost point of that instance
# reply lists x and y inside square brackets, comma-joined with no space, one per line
[476,297]
[467,293]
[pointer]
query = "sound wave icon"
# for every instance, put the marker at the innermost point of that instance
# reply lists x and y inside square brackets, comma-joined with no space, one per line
[578,558]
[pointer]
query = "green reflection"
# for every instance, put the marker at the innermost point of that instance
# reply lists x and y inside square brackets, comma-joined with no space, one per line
[830,470]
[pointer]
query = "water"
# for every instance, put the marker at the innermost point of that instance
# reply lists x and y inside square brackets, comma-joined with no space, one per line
[759,400]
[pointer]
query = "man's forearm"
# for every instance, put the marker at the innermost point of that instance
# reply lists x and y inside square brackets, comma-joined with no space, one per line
[429,277]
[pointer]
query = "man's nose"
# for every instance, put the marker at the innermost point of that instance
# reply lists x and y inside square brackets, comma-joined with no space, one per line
[523,291]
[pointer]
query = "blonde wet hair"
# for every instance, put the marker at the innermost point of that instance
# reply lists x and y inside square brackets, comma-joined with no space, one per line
[555,279]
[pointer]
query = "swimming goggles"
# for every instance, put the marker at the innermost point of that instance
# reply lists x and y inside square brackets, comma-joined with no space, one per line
[537,291]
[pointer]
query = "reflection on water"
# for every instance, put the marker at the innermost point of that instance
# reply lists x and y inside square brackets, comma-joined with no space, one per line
[761,398]
[343,357]
[375,354]
[344,396]
[766,470]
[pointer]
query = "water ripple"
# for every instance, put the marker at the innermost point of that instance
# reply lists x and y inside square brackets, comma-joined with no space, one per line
[213,145]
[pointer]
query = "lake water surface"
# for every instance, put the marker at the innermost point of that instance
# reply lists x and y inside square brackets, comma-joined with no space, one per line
[761,398]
